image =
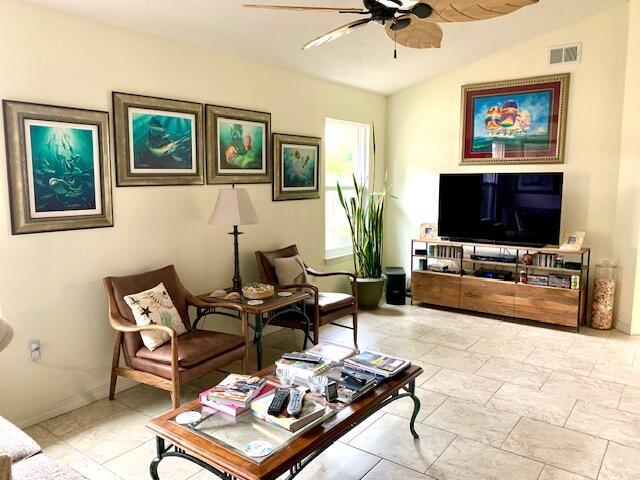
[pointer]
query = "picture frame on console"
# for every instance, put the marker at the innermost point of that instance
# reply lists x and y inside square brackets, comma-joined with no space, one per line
[238,145]
[519,121]
[572,241]
[158,141]
[296,167]
[59,168]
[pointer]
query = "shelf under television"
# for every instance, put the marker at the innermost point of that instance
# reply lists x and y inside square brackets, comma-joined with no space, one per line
[430,272]
[415,255]
[490,262]
[567,271]
[521,248]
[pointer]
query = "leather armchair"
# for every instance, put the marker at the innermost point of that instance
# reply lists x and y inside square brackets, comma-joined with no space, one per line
[324,307]
[183,358]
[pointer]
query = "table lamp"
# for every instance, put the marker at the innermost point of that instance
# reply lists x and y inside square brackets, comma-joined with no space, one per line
[234,207]
[6,334]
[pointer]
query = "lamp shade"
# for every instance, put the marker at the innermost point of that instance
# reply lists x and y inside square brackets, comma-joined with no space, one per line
[233,207]
[6,334]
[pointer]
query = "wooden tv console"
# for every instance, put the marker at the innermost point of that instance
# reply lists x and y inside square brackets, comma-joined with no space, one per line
[460,288]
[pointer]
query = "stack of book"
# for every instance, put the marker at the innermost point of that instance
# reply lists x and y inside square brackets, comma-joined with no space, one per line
[352,383]
[235,393]
[312,414]
[377,363]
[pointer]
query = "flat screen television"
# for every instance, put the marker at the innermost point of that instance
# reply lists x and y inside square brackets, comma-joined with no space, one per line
[505,208]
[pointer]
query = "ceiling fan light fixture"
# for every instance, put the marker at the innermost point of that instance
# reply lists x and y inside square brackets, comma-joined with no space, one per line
[400,23]
[422,10]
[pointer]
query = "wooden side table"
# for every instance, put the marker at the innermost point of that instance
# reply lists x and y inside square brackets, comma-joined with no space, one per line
[287,310]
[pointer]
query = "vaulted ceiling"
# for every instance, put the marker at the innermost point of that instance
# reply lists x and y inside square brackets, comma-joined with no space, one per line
[363,59]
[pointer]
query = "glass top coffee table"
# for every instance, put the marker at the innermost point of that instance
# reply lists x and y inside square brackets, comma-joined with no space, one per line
[217,442]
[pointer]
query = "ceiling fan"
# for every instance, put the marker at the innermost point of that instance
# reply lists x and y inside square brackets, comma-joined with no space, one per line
[412,24]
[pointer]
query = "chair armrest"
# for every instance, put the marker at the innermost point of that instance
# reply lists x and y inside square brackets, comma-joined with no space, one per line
[313,288]
[120,324]
[316,273]
[215,302]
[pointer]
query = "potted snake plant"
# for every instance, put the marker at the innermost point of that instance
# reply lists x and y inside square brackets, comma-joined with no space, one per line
[365,212]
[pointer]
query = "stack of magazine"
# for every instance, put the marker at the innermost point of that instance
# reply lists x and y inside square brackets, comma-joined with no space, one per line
[235,393]
[377,363]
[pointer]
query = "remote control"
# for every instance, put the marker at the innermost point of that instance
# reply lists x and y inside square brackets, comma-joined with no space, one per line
[279,400]
[295,402]
[302,357]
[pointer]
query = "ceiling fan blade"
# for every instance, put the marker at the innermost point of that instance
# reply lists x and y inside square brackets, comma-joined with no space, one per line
[421,10]
[470,10]
[418,34]
[390,3]
[337,33]
[306,9]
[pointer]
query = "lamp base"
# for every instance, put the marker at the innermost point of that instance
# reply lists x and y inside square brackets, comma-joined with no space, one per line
[237,280]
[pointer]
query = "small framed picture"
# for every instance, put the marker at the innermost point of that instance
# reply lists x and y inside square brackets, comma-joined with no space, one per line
[158,141]
[572,241]
[238,145]
[429,231]
[58,167]
[296,167]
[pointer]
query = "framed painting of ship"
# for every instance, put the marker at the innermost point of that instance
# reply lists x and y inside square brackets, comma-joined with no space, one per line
[238,145]
[158,141]
[515,121]
[296,167]
[59,170]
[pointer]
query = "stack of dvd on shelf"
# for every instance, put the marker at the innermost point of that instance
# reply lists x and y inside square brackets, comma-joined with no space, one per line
[547,260]
[445,251]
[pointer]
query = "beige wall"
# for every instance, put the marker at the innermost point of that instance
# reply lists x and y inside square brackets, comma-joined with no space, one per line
[424,132]
[627,232]
[50,284]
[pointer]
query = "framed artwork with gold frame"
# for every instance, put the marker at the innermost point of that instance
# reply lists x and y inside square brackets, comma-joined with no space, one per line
[515,121]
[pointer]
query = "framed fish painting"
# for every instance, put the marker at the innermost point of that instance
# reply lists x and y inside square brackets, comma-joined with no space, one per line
[158,141]
[296,167]
[58,167]
[515,121]
[238,145]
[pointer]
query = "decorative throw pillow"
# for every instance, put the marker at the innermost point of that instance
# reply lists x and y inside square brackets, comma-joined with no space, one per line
[155,306]
[290,270]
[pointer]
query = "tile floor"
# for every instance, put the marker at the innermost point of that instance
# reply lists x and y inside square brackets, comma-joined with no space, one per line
[500,401]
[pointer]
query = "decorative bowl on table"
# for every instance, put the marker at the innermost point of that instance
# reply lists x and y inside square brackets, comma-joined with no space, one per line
[257,291]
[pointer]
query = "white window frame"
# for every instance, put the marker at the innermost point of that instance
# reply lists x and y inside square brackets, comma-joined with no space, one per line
[363,155]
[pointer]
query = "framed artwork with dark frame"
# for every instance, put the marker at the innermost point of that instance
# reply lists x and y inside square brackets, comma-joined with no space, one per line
[238,145]
[515,121]
[296,167]
[158,141]
[59,169]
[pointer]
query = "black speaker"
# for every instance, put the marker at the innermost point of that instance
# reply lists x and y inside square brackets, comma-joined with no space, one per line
[396,285]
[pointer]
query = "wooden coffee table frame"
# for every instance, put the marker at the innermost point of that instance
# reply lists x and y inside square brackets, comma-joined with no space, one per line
[172,440]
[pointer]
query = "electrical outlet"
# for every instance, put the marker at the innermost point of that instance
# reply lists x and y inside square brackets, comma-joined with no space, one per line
[34,353]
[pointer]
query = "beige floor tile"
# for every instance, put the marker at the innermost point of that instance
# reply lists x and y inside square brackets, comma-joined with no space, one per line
[83,416]
[403,328]
[620,463]
[429,401]
[428,371]
[455,359]
[466,386]
[449,337]
[134,464]
[472,420]
[515,372]
[610,423]
[442,319]
[389,471]
[558,360]
[617,372]
[602,350]
[540,336]
[339,461]
[111,437]
[557,446]
[153,401]
[470,460]
[553,473]
[389,438]
[592,390]
[530,402]
[411,349]
[365,339]
[510,349]
[630,401]
[353,433]
[491,329]
[208,380]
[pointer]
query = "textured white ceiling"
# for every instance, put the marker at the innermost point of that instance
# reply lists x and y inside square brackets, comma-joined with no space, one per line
[363,59]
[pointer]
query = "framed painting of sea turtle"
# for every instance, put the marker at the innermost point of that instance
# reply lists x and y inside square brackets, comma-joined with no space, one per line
[58,167]
[158,141]
[515,121]
[296,167]
[238,145]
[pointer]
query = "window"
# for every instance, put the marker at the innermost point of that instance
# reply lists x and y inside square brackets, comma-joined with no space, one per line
[346,153]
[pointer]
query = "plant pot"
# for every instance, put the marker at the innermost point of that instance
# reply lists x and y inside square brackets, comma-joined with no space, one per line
[369,292]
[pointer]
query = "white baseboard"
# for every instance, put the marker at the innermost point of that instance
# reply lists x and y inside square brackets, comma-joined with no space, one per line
[72,403]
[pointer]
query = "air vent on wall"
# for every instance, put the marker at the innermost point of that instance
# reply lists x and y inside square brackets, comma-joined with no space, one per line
[563,54]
